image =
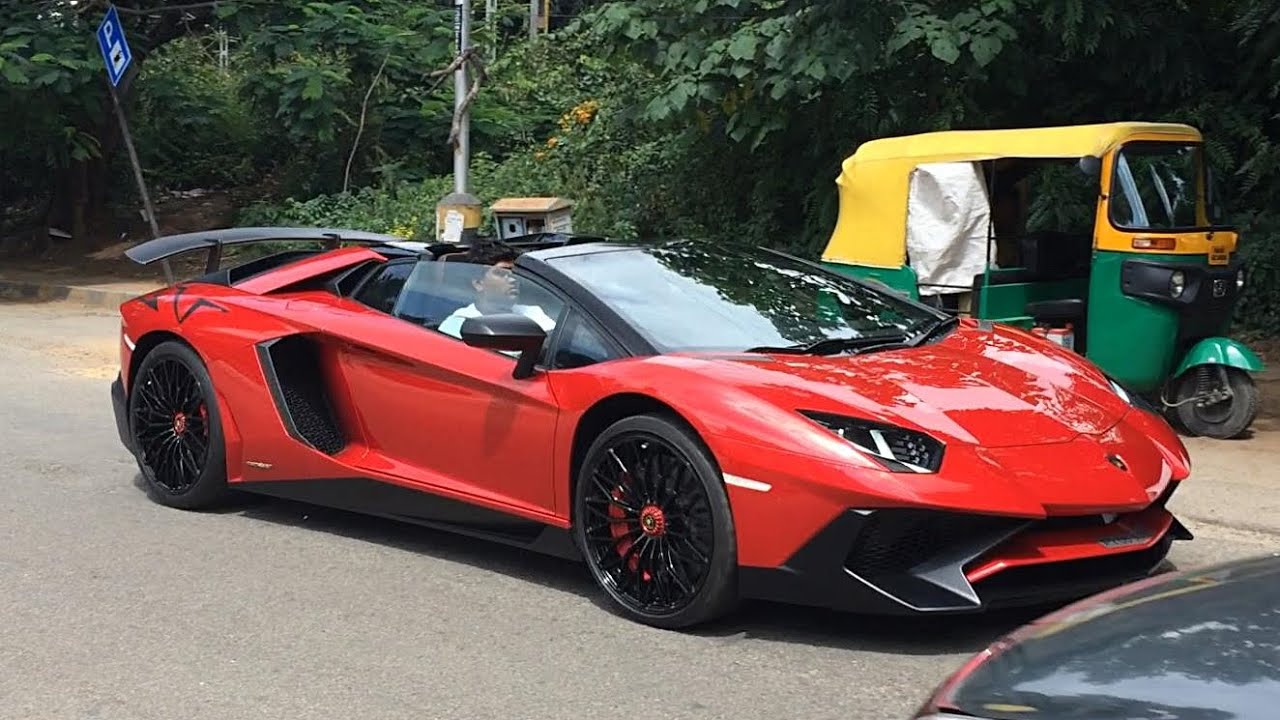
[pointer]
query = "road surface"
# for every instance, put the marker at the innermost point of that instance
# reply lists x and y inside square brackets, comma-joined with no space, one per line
[114,607]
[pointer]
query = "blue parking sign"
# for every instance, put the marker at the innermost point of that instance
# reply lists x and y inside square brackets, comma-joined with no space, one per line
[115,49]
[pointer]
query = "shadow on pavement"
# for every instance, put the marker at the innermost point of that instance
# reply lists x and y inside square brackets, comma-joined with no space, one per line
[753,620]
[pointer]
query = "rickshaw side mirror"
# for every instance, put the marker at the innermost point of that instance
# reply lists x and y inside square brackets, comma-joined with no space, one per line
[1090,165]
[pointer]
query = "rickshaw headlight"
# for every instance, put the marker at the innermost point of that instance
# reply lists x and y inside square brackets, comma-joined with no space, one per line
[1240,279]
[1177,283]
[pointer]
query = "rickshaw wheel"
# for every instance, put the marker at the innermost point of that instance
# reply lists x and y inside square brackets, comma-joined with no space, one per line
[1215,414]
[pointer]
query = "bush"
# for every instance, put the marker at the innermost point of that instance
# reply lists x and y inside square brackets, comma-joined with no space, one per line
[1258,311]
[191,127]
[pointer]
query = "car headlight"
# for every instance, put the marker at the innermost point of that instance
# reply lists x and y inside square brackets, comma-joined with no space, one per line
[897,449]
[1177,283]
[1118,389]
[1132,399]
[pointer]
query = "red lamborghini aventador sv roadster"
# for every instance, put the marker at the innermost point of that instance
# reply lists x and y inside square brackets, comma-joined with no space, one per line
[696,423]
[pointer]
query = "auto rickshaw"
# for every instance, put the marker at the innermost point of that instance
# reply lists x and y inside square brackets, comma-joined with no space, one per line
[1101,237]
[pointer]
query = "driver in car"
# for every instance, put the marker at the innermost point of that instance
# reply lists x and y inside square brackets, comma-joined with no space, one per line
[496,290]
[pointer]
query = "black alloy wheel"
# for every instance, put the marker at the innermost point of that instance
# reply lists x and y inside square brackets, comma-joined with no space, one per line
[177,436]
[653,521]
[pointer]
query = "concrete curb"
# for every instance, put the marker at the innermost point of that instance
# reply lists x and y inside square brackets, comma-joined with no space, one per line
[107,297]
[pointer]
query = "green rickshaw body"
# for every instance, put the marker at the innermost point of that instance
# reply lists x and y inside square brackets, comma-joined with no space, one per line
[1147,292]
[1144,338]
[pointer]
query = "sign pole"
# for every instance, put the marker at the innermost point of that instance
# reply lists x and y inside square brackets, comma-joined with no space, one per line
[117,57]
[137,175]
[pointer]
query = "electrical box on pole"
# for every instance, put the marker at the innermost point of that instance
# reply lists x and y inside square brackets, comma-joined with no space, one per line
[519,216]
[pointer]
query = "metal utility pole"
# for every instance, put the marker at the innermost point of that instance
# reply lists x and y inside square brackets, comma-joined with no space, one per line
[458,215]
[462,153]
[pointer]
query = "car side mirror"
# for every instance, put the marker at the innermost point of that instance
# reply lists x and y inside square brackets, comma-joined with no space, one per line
[508,332]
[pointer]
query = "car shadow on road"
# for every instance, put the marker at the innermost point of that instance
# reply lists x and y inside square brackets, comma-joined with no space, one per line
[921,635]
[772,622]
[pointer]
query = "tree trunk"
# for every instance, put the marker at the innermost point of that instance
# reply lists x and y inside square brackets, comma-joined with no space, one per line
[79,194]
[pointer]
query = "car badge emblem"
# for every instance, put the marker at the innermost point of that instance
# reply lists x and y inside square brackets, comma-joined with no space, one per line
[1117,461]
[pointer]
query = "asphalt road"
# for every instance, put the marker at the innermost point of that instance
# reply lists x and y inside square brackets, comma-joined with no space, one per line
[114,607]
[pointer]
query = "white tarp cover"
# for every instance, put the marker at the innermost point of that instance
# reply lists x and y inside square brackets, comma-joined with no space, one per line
[947,218]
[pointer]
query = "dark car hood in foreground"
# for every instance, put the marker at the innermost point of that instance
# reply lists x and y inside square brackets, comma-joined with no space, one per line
[1202,645]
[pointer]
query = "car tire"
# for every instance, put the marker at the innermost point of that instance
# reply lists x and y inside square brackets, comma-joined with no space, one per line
[184,464]
[664,549]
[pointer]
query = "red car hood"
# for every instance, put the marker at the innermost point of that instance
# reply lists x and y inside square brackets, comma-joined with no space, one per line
[998,388]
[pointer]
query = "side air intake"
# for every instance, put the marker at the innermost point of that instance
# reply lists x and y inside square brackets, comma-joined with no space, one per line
[292,368]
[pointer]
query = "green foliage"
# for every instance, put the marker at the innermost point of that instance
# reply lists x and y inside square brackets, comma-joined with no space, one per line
[315,63]
[981,30]
[59,135]
[191,126]
[721,118]
[780,92]
[46,90]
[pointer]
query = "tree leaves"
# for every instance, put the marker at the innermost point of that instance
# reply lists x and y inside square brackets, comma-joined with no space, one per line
[985,49]
[314,88]
[743,46]
[945,48]
[981,30]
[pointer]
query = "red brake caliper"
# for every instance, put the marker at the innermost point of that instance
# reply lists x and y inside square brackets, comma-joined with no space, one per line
[180,420]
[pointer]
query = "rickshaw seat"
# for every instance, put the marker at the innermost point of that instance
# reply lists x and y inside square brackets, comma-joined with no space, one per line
[1064,310]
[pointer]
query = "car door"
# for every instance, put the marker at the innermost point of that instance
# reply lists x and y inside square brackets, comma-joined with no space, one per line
[434,410]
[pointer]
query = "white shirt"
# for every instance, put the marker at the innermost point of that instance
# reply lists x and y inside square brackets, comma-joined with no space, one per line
[452,325]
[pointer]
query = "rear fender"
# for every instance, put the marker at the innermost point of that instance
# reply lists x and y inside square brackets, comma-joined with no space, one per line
[233,443]
[1220,351]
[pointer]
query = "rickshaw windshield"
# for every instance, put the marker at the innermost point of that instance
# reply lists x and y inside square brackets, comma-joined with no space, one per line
[1156,186]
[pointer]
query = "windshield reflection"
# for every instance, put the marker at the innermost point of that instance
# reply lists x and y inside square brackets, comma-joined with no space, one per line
[693,296]
[1156,186]
[1191,649]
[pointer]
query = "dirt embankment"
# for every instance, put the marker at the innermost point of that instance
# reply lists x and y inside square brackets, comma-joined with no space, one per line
[176,212]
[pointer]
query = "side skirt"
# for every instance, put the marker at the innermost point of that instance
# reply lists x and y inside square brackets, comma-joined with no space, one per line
[367,496]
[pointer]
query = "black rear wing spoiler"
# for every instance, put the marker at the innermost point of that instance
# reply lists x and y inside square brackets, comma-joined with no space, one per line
[163,248]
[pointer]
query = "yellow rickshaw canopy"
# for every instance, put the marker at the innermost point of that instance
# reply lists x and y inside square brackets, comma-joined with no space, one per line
[874,182]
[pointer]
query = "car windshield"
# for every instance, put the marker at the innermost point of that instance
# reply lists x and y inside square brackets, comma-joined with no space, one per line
[701,297]
[1156,186]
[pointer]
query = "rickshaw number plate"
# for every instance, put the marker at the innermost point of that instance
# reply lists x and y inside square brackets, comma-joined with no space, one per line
[1219,258]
